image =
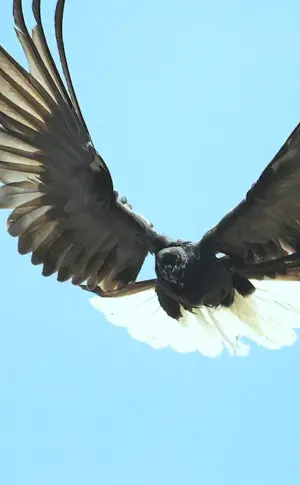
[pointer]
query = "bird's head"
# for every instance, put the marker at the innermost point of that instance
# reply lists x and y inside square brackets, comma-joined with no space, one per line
[170,265]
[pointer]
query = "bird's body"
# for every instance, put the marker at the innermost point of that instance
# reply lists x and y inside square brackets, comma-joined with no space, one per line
[187,278]
[66,213]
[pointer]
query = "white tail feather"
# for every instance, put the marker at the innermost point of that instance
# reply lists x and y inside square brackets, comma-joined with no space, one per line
[267,317]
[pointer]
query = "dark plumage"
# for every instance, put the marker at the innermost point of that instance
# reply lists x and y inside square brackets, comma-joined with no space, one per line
[67,214]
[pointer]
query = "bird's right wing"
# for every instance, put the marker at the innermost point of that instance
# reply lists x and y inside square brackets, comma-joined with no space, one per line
[266,225]
[65,211]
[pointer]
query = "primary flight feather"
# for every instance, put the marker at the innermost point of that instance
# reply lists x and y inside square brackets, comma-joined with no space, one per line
[66,212]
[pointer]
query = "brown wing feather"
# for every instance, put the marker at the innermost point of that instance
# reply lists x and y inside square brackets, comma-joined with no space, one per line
[266,225]
[64,207]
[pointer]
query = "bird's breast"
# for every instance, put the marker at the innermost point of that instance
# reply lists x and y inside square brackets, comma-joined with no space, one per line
[209,282]
[206,282]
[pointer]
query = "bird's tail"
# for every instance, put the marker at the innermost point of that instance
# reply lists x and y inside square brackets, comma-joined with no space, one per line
[268,317]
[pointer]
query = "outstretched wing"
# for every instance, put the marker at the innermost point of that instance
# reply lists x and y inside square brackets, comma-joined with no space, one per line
[65,210]
[266,225]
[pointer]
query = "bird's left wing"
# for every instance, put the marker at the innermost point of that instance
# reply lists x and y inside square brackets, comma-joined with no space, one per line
[266,225]
[65,211]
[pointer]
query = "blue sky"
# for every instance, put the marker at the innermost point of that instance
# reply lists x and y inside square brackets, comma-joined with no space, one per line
[187,102]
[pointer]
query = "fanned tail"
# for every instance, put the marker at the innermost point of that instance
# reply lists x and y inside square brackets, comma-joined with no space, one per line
[268,317]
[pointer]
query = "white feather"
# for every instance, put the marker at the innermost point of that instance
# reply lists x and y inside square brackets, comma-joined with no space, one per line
[267,317]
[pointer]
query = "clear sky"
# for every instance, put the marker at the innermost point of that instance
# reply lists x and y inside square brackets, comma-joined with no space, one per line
[187,101]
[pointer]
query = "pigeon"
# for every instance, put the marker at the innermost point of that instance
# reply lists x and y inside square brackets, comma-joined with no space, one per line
[239,283]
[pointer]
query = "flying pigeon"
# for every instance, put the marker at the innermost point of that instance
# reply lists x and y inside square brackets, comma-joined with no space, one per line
[239,283]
